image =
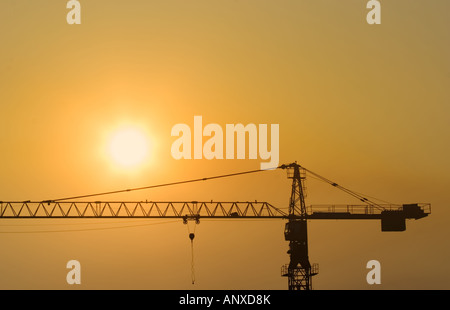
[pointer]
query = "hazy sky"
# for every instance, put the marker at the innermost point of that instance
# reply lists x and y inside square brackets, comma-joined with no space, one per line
[364,105]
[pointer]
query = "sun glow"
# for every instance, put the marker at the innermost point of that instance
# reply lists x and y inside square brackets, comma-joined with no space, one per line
[129,147]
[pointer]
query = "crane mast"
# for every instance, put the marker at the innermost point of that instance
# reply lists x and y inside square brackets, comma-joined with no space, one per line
[299,271]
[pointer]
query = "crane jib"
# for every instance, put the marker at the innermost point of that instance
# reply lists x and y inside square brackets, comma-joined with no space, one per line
[205,209]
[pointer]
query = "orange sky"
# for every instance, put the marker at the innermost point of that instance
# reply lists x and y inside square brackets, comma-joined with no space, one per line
[363,105]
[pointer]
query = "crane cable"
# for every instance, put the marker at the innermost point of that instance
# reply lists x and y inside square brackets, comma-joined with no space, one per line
[84,229]
[191,237]
[334,184]
[346,190]
[158,185]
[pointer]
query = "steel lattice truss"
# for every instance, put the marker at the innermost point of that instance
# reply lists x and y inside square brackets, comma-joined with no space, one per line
[188,210]
[139,209]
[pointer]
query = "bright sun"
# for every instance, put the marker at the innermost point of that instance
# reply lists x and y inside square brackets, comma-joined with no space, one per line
[129,147]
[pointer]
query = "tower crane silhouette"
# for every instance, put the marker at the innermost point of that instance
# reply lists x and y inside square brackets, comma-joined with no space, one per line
[299,270]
